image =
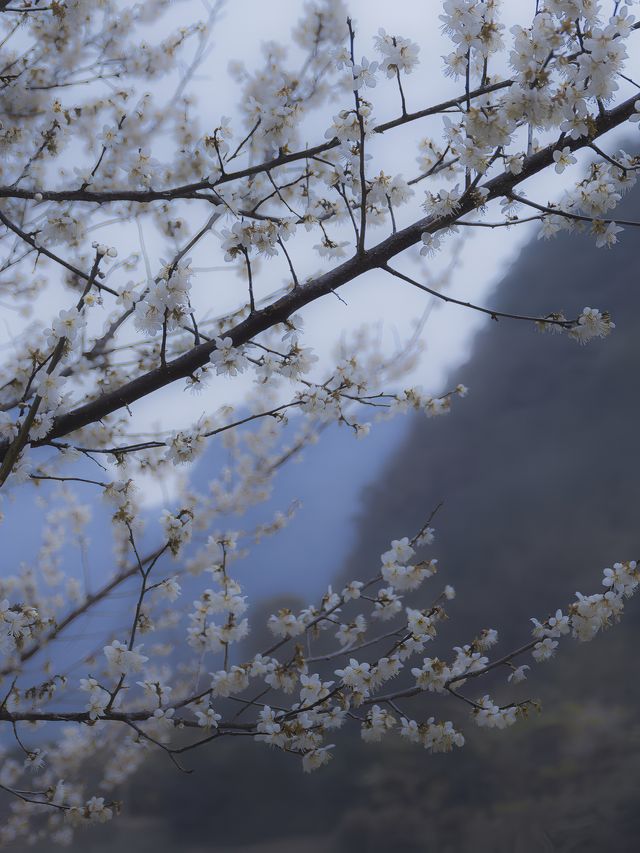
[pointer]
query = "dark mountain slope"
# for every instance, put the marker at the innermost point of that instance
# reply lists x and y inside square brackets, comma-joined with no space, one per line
[539,468]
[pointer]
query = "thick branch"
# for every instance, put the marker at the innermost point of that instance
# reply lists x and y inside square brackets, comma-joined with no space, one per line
[281,309]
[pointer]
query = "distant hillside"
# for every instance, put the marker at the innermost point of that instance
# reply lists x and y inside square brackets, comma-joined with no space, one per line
[539,467]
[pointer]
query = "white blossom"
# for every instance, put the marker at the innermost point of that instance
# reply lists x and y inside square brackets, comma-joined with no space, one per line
[228,359]
[121,660]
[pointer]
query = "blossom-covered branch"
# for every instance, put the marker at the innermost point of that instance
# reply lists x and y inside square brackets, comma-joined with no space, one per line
[170,299]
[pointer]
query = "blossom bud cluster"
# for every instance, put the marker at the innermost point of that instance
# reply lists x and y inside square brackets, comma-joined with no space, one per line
[166,301]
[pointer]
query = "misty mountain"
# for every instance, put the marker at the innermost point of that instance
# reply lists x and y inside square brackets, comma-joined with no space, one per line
[538,468]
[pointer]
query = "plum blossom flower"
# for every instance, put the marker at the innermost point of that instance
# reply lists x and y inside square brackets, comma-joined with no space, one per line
[592,324]
[562,159]
[121,660]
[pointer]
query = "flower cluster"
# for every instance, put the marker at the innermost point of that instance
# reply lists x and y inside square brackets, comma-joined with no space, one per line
[204,634]
[398,54]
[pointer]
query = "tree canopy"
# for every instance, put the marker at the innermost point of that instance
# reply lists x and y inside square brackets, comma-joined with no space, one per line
[298,194]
